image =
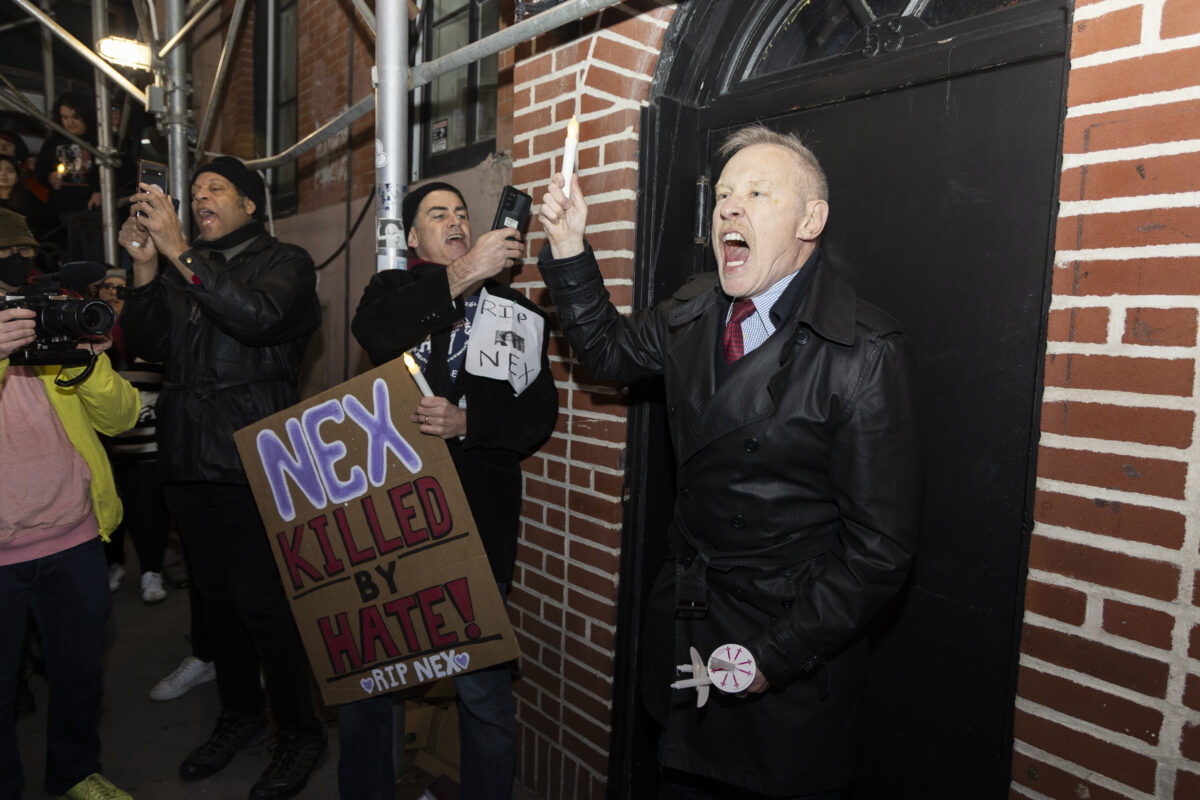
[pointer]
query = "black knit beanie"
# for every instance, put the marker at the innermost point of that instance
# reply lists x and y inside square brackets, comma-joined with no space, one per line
[412,201]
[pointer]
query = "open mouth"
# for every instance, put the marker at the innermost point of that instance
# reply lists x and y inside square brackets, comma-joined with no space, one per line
[737,250]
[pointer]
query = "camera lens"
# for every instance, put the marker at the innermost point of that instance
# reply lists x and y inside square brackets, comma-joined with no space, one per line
[77,318]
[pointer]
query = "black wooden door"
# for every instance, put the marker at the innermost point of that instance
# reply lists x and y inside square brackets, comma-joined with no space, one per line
[943,167]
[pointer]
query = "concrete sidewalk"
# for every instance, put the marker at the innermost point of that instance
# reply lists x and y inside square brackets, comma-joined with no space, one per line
[144,741]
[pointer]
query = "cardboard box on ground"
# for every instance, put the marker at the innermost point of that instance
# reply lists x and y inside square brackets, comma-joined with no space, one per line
[374,540]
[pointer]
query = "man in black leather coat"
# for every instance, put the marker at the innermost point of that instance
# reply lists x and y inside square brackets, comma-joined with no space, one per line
[796,440]
[229,317]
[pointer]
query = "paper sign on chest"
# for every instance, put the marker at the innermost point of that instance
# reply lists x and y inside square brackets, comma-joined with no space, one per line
[374,540]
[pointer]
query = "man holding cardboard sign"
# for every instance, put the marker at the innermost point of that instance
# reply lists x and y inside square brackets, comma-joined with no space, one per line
[482,348]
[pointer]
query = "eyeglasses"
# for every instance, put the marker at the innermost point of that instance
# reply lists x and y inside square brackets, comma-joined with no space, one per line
[25,250]
[111,287]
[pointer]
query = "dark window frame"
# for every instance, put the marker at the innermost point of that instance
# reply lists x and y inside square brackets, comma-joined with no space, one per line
[471,154]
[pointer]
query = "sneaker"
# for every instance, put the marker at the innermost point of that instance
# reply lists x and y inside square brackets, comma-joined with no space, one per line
[152,588]
[233,731]
[115,573]
[190,673]
[95,787]
[293,758]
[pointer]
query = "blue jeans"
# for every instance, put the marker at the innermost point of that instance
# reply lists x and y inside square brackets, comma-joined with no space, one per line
[370,740]
[487,730]
[68,595]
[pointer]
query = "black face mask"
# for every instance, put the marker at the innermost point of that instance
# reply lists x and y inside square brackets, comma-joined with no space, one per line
[15,269]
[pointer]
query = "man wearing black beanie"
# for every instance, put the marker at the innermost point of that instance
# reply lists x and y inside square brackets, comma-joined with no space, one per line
[431,309]
[229,317]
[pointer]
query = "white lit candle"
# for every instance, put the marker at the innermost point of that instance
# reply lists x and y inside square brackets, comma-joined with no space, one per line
[415,371]
[568,165]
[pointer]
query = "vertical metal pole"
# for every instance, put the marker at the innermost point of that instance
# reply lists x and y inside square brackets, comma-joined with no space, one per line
[48,62]
[108,194]
[391,132]
[177,117]
[272,59]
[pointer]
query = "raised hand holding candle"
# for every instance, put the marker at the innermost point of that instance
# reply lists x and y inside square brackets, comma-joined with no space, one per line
[568,165]
[415,371]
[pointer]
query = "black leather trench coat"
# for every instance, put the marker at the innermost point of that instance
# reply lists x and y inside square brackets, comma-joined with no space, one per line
[795,519]
[399,308]
[230,347]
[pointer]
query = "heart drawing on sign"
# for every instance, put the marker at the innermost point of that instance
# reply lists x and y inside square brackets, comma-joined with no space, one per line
[368,685]
[462,659]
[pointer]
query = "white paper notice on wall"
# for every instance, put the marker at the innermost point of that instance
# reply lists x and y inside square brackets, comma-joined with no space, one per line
[506,342]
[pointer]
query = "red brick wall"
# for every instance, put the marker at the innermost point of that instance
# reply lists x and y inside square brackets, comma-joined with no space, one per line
[325,91]
[564,598]
[1108,699]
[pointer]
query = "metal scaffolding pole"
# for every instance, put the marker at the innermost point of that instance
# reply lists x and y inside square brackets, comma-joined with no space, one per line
[391,133]
[210,110]
[48,65]
[99,63]
[108,194]
[424,73]
[177,117]
[187,27]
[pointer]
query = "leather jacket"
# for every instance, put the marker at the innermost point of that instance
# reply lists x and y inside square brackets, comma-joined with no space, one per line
[795,517]
[231,348]
[398,309]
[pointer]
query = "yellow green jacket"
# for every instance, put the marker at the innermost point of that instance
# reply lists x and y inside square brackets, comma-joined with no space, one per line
[106,403]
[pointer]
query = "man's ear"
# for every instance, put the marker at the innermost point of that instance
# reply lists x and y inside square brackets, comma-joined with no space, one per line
[816,214]
[413,243]
[249,205]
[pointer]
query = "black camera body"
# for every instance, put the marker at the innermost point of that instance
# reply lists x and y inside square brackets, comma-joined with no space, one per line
[61,324]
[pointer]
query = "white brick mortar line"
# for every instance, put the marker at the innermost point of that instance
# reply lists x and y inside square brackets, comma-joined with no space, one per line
[1096,593]
[1121,349]
[1090,681]
[1081,772]
[1181,665]
[1189,250]
[1112,495]
[619,104]
[638,44]
[1117,448]
[1104,7]
[599,415]
[1109,544]
[1134,399]
[1122,740]
[1124,302]
[1135,101]
[1139,153]
[1122,399]
[1140,50]
[1117,205]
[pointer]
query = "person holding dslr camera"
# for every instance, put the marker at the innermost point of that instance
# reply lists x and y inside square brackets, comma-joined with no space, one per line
[58,502]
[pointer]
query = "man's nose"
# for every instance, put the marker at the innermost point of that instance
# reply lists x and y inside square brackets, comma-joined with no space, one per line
[730,208]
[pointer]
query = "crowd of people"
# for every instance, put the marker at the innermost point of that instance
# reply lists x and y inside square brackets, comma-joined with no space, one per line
[57,189]
[791,415]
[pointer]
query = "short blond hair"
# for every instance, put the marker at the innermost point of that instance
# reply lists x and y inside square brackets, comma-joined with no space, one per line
[760,134]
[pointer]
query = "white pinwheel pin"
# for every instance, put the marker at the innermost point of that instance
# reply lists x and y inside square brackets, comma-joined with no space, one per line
[731,668]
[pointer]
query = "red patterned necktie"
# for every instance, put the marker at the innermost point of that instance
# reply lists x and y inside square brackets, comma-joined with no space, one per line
[734,347]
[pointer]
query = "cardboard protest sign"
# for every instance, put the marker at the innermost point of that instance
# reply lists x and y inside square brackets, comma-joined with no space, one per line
[374,540]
